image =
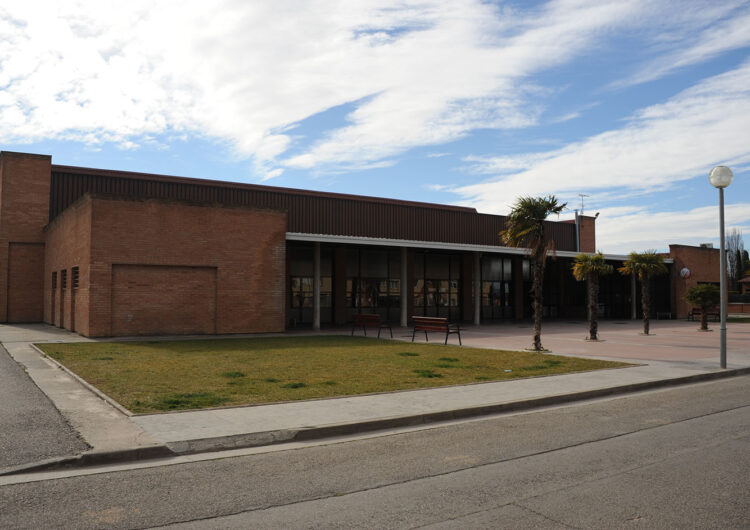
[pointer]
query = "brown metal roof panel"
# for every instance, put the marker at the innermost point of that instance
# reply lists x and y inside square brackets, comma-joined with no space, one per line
[312,213]
[109,173]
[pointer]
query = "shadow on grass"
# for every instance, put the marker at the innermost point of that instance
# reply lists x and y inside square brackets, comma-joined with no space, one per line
[195,400]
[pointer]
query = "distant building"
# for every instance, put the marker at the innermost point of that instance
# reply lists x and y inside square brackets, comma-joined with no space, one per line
[111,253]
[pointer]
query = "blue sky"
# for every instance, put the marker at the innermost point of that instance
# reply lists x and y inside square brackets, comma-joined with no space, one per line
[462,102]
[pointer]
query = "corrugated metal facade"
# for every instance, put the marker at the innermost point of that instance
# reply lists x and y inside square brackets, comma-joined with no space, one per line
[307,212]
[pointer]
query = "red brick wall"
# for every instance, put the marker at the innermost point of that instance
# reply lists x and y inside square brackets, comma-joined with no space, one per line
[25,282]
[160,299]
[69,245]
[24,211]
[245,247]
[704,267]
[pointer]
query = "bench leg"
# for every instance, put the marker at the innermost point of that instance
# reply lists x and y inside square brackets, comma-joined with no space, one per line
[391,330]
[378,332]
[446,337]
[426,339]
[364,329]
[459,338]
[413,333]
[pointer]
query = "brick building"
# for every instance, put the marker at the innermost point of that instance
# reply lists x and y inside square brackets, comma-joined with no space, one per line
[111,253]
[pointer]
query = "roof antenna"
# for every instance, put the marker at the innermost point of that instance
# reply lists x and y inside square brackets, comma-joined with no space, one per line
[582,195]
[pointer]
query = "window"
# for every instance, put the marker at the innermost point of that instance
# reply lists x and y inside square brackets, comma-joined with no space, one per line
[302,291]
[64,278]
[437,285]
[74,277]
[373,283]
[54,280]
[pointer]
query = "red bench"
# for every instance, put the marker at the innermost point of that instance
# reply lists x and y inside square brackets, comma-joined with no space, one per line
[365,321]
[435,324]
[695,314]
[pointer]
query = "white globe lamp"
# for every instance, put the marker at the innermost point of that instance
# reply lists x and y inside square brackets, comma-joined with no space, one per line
[721,177]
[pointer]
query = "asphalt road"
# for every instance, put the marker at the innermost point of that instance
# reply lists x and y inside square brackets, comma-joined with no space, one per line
[31,428]
[677,458]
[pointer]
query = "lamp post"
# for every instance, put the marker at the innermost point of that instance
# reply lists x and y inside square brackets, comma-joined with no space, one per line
[721,177]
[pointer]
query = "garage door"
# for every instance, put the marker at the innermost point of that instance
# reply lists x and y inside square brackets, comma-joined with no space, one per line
[163,300]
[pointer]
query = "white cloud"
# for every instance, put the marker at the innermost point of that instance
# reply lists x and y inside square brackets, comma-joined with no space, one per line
[417,72]
[422,72]
[620,231]
[272,174]
[468,71]
[703,126]
[696,45]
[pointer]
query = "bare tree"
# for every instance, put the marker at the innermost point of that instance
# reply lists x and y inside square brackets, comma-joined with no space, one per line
[735,267]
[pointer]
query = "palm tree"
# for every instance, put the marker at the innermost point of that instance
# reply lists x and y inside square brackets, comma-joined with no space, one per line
[706,296]
[590,267]
[644,265]
[524,227]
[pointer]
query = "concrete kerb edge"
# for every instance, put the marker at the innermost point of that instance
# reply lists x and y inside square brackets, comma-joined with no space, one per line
[93,458]
[239,441]
[84,383]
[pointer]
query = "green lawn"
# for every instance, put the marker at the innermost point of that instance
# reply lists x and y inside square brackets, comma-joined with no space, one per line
[175,375]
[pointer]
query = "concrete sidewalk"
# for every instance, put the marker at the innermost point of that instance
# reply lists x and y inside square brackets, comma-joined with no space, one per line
[674,354]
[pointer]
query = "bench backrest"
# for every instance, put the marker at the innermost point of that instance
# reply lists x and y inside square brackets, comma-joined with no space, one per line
[438,322]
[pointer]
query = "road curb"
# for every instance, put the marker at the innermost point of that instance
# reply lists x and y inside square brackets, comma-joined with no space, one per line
[93,458]
[259,439]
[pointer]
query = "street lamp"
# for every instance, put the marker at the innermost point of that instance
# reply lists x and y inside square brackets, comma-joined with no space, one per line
[721,177]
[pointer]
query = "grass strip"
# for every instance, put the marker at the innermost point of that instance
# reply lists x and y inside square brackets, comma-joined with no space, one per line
[156,376]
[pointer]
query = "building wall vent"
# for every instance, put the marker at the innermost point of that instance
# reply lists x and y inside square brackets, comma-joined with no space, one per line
[707,245]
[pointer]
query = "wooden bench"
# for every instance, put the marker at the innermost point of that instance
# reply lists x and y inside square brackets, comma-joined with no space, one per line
[435,324]
[365,321]
[695,314]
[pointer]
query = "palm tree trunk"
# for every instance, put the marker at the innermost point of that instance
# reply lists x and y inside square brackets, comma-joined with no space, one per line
[537,295]
[646,304]
[593,306]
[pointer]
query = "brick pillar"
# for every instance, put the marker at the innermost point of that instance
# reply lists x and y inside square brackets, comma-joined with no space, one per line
[587,233]
[24,212]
